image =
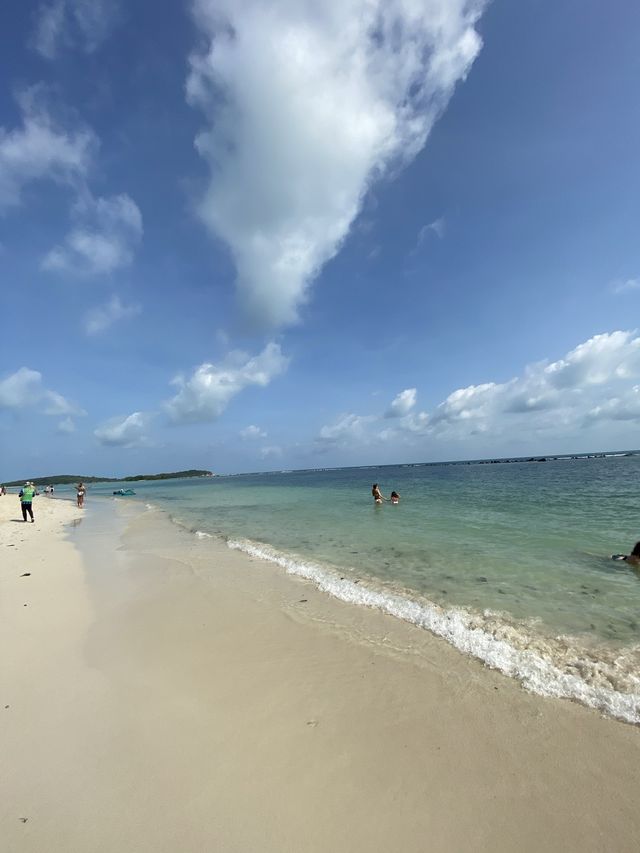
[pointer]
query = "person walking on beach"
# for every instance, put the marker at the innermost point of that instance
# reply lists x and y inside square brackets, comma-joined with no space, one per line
[80,492]
[26,496]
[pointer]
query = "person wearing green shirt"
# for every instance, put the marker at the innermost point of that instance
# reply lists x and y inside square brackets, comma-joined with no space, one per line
[27,493]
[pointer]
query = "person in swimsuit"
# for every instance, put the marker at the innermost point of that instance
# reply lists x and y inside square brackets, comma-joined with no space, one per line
[80,492]
[395,498]
[378,497]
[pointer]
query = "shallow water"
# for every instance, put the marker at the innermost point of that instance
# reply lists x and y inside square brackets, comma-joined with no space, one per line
[521,549]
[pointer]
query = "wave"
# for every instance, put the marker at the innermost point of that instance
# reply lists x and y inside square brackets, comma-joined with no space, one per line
[604,679]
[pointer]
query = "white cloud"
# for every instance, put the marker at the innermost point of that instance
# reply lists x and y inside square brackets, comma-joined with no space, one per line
[601,359]
[124,431]
[626,285]
[592,384]
[271,452]
[618,408]
[347,428]
[207,393]
[307,106]
[24,389]
[73,23]
[551,396]
[103,316]
[402,404]
[106,234]
[66,426]
[252,432]
[43,147]
[436,227]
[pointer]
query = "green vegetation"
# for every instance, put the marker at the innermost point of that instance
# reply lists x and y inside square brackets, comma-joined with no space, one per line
[66,479]
[171,476]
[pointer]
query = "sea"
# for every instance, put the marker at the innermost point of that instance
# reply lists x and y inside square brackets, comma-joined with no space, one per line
[508,562]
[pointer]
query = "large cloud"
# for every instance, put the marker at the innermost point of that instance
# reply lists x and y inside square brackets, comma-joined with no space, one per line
[207,392]
[45,146]
[308,104]
[105,236]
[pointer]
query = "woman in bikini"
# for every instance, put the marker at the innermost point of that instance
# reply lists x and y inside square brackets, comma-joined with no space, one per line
[378,497]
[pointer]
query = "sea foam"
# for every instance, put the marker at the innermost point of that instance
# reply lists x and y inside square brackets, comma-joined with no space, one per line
[549,667]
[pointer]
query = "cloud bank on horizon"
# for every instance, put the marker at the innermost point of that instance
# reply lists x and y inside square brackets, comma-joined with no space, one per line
[307,105]
[594,382]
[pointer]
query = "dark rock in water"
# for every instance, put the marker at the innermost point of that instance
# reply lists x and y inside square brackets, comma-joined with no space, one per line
[481,579]
[501,591]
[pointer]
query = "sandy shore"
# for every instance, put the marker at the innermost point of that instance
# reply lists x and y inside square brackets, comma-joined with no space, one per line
[161,693]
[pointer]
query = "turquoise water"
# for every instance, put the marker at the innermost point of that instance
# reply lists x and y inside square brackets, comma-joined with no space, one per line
[522,549]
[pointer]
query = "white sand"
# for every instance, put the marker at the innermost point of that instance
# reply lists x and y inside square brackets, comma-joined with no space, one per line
[176,696]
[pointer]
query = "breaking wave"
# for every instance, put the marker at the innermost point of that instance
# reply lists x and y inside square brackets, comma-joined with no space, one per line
[602,678]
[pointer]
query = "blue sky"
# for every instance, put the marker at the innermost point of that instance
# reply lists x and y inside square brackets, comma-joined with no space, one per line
[245,236]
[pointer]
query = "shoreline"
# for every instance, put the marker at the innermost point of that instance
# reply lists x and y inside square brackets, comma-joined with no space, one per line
[479,635]
[167,692]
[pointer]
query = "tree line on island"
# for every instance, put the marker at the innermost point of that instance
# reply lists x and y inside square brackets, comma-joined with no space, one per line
[66,479]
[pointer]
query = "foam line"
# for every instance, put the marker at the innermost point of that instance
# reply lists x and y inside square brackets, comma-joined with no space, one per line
[536,672]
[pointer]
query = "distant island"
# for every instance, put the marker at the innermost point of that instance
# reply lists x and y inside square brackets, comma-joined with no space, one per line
[66,479]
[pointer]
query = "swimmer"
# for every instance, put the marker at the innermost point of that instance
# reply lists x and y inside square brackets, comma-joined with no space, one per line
[378,497]
[395,498]
[633,558]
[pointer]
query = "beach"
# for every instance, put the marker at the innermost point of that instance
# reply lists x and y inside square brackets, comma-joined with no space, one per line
[160,692]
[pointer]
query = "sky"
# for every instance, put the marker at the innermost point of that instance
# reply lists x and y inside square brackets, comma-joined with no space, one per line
[240,235]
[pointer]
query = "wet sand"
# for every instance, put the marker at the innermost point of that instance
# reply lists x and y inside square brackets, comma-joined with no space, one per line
[165,693]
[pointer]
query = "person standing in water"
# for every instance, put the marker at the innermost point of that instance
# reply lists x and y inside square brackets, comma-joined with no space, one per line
[395,498]
[80,492]
[378,497]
